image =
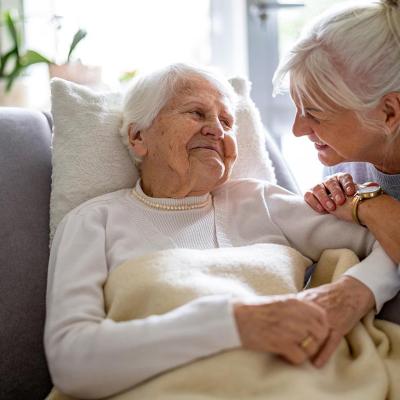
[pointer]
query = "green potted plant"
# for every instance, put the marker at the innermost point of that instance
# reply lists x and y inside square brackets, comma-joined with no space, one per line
[75,71]
[14,60]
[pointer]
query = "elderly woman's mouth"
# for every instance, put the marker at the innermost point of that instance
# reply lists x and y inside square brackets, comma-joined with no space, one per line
[207,148]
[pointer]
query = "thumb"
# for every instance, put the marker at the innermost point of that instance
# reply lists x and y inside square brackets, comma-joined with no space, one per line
[328,348]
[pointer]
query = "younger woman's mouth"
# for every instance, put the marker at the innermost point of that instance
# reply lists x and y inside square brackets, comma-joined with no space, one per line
[320,146]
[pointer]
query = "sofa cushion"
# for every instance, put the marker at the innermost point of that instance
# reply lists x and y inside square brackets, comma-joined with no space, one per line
[25,170]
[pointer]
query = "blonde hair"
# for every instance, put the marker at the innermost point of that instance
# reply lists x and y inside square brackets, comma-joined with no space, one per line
[149,93]
[348,59]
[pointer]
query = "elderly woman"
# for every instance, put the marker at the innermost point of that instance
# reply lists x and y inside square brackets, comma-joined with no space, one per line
[345,81]
[180,126]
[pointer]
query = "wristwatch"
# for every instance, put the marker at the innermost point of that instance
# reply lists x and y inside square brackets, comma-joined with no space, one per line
[366,191]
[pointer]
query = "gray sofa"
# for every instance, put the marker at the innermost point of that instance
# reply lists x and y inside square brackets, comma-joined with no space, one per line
[25,177]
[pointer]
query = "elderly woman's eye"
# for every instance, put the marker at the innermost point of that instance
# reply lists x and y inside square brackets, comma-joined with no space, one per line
[198,113]
[226,123]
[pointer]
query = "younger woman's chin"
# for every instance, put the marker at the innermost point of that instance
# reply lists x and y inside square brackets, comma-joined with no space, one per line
[329,160]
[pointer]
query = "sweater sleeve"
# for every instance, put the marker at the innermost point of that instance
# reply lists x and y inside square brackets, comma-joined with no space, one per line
[90,356]
[311,233]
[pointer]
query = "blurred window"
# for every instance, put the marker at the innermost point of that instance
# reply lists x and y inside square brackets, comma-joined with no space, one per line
[273,28]
[122,35]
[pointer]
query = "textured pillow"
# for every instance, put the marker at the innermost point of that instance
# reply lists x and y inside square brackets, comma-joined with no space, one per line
[89,158]
[253,159]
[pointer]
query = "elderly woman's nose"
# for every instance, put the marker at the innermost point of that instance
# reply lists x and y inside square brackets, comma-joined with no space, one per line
[213,128]
[301,127]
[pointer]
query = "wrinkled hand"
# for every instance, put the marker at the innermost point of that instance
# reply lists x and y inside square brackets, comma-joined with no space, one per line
[332,196]
[345,301]
[279,324]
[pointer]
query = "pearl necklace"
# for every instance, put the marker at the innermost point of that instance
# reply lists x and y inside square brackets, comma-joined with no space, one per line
[171,207]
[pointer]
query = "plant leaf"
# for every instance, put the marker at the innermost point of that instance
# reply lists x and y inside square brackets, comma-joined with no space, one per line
[10,78]
[128,75]
[33,57]
[12,29]
[4,60]
[77,38]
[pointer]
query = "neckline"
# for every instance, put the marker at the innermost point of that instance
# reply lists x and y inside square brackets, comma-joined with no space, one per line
[170,204]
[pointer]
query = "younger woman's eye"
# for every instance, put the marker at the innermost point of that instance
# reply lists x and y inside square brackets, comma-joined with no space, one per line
[310,116]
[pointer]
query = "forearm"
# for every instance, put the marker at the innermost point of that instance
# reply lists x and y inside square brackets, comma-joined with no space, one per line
[379,273]
[311,233]
[358,297]
[95,360]
[382,216]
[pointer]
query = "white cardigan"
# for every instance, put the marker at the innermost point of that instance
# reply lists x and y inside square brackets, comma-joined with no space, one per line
[91,356]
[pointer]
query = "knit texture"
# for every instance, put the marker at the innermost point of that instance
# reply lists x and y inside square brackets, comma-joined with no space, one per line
[365,172]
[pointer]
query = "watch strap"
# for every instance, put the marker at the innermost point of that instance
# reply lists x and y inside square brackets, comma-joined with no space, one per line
[354,210]
[358,198]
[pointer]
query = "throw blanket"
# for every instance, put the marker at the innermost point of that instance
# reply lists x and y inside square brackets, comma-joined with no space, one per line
[365,366]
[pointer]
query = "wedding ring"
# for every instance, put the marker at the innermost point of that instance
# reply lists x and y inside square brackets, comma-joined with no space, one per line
[306,342]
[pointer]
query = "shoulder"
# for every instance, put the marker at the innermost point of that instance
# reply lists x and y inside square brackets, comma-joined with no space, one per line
[240,185]
[363,172]
[90,216]
[360,171]
[251,187]
[100,203]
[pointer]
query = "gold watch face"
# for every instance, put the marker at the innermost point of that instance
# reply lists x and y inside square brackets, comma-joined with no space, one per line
[369,191]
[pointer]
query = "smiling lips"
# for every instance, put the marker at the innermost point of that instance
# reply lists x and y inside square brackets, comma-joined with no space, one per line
[320,145]
[208,147]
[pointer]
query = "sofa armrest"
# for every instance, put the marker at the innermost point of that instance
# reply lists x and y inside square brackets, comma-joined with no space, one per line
[25,173]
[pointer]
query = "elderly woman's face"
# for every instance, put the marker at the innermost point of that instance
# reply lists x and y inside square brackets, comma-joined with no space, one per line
[189,149]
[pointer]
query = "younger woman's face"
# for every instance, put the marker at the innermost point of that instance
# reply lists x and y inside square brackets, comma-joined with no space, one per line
[339,136]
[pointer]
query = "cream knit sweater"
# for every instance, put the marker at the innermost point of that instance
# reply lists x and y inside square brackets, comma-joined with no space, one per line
[98,236]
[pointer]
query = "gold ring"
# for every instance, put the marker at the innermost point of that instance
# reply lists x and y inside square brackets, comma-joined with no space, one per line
[306,342]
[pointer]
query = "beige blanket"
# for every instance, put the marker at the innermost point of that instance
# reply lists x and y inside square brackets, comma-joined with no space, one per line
[365,366]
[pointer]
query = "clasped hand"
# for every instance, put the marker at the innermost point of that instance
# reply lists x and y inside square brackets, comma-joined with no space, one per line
[286,325]
[306,326]
[333,196]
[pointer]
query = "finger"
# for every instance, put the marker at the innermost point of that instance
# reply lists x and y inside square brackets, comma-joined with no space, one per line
[319,331]
[321,194]
[318,325]
[295,354]
[310,319]
[313,309]
[347,183]
[337,192]
[312,201]
[328,349]
[310,345]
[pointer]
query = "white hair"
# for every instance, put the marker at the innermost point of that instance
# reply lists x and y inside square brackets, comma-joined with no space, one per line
[349,58]
[150,93]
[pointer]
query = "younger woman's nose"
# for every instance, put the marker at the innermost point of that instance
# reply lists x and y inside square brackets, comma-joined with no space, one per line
[300,126]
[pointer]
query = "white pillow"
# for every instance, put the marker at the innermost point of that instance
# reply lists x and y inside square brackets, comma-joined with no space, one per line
[253,159]
[89,158]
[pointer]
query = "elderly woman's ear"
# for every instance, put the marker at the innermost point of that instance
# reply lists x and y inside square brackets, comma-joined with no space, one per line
[136,141]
